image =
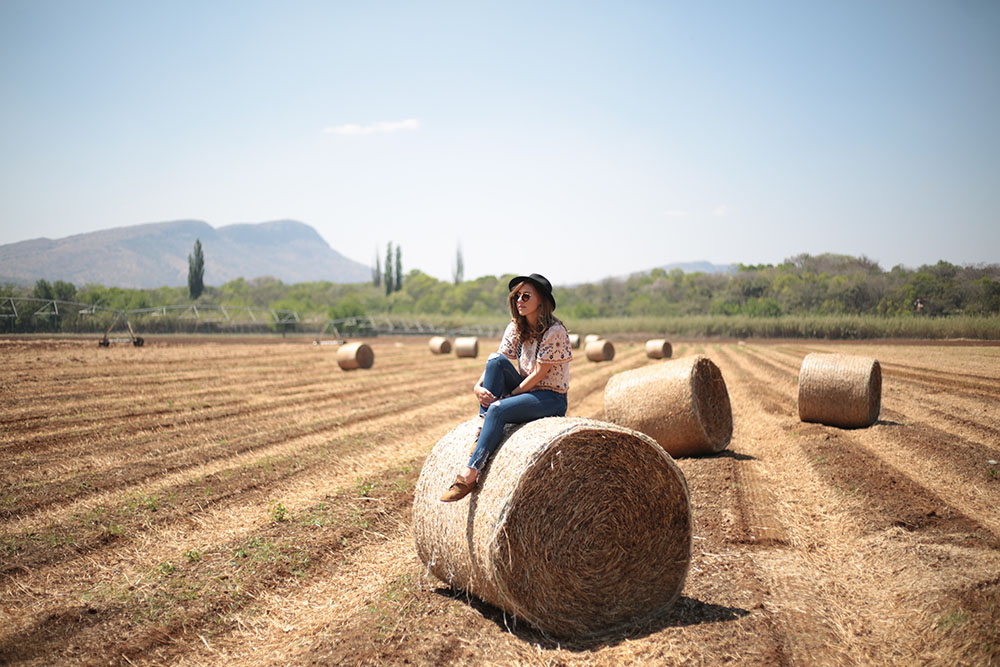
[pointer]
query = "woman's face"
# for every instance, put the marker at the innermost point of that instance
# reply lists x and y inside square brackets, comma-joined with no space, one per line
[527,299]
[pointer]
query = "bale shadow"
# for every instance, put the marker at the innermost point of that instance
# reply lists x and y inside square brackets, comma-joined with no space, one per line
[729,454]
[888,422]
[685,612]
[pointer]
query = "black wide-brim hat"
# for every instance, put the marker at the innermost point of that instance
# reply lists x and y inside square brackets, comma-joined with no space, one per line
[539,281]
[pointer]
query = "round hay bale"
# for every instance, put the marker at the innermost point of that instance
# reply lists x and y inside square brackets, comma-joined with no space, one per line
[578,526]
[355,355]
[467,347]
[658,348]
[590,338]
[600,350]
[440,345]
[574,341]
[840,390]
[682,404]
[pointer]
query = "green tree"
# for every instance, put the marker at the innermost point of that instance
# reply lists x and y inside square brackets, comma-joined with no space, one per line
[43,290]
[196,271]
[390,283]
[458,271]
[398,269]
[48,322]
[63,291]
[377,271]
[349,306]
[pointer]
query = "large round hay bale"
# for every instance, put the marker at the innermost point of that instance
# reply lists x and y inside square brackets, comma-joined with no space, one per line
[355,355]
[467,346]
[600,350]
[590,338]
[840,390]
[682,404]
[658,348]
[577,527]
[574,341]
[440,345]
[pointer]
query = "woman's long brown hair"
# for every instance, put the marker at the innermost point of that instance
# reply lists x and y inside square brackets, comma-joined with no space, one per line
[545,317]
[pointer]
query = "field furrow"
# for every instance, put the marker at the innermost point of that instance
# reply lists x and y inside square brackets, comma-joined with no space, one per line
[141,456]
[192,406]
[249,503]
[815,580]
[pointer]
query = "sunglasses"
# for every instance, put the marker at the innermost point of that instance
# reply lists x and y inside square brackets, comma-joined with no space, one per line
[523,296]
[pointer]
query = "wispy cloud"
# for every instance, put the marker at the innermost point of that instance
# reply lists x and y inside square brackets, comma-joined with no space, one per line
[352,129]
[720,211]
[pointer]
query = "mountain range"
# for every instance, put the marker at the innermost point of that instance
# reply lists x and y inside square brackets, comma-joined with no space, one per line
[156,254]
[700,267]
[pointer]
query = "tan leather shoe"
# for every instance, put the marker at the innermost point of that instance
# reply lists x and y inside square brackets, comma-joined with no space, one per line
[458,490]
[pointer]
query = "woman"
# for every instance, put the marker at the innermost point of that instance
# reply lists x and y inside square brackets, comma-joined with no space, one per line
[535,388]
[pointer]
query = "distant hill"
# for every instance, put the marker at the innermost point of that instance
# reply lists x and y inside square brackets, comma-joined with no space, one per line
[700,267]
[687,267]
[155,255]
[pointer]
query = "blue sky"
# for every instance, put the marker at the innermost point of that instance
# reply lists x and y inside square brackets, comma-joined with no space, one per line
[575,139]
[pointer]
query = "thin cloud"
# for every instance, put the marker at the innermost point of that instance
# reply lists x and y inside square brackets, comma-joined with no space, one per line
[720,211]
[352,129]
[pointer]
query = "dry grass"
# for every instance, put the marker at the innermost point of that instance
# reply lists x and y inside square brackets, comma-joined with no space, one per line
[467,347]
[840,390]
[355,355]
[600,350]
[440,345]
[562,532]
[251,504]
[658,348]
[682,404]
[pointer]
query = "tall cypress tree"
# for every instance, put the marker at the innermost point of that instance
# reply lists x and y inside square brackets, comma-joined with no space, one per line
[398,269]
[388,273]
[458,271]
[196,271]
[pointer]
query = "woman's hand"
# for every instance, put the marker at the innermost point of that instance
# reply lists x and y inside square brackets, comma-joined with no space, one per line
[485,396]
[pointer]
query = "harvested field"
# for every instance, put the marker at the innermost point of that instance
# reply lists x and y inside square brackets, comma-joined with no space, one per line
[249,503]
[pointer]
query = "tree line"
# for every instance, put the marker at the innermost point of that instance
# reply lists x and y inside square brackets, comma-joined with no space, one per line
[817,285]
[392,275]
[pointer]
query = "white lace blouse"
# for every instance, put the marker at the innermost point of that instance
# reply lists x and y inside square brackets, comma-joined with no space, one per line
[553,349]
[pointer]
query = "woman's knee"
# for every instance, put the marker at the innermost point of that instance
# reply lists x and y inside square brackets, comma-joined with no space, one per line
[495,362]
[494,414]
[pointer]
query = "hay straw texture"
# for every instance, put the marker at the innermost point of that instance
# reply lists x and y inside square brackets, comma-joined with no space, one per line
[658,348]
[355,355]
[440,345]
[600,350]
[578,526]
[682,404]
[840,390]
[574,341]
[467,347]
[589,338]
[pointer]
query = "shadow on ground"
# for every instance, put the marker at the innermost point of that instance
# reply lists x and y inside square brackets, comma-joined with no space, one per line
[729,454]
[686,611]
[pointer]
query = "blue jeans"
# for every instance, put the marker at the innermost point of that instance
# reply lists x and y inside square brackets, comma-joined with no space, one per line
[501,378]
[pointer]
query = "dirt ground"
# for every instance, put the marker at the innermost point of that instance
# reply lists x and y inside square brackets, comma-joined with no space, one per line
[249,503]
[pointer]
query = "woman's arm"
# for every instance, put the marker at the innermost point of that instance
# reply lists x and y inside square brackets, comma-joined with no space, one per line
[484,395]
[528,383]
